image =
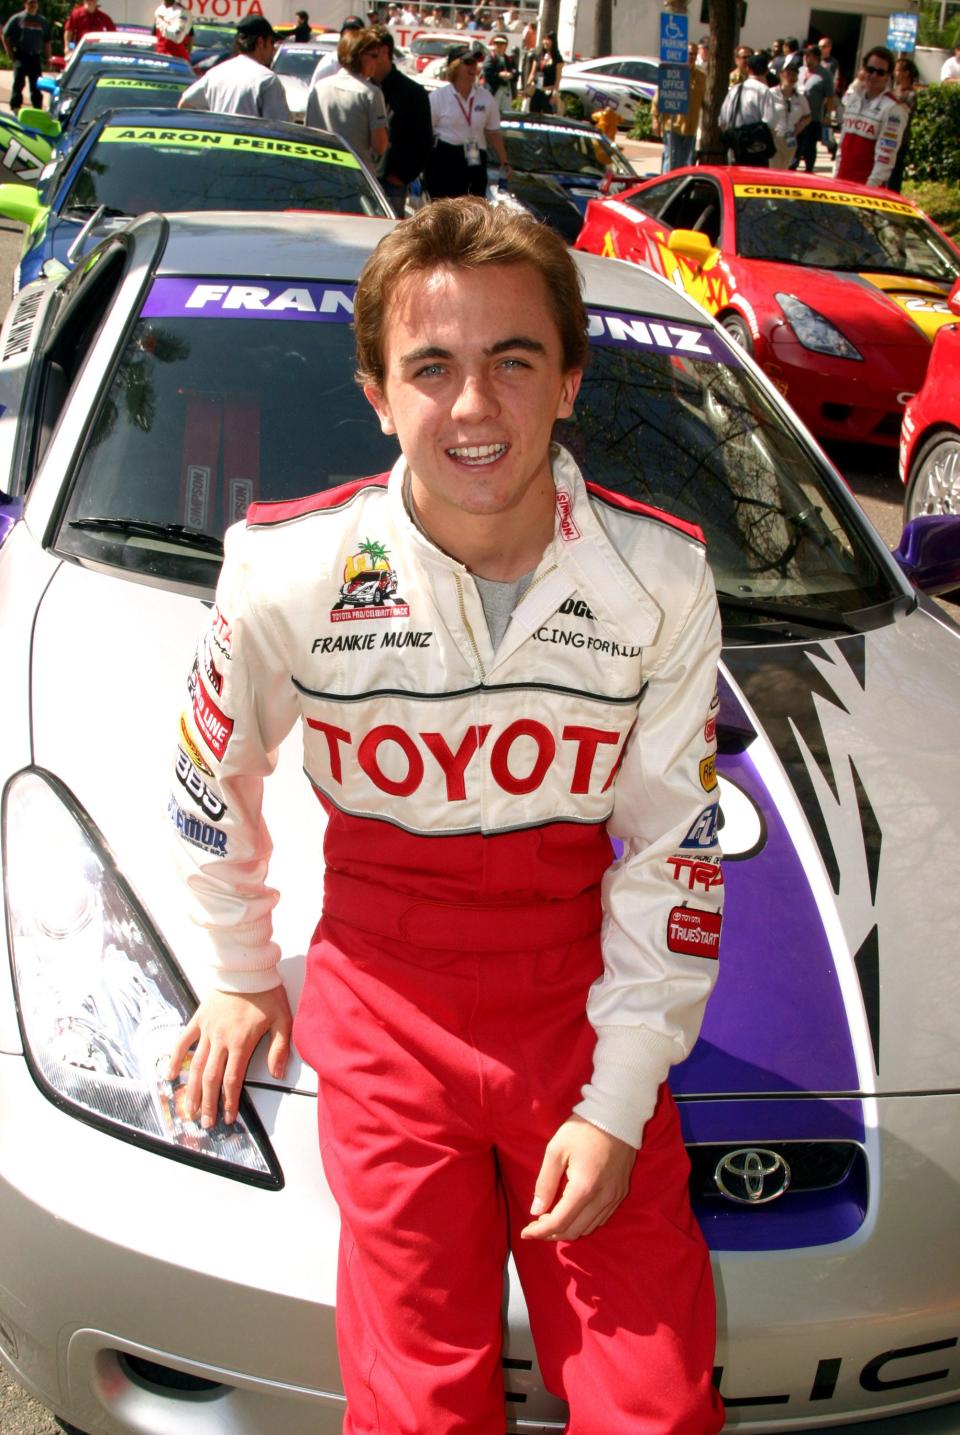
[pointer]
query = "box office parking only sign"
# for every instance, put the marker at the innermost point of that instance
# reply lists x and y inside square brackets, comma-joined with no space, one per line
[674,75]
[674,96]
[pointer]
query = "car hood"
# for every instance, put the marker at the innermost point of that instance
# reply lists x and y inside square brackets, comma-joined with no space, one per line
[296,91]
[833,799]
[546,200]
[923,302]
[872,309]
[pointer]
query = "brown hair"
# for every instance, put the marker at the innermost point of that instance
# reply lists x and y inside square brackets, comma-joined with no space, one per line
[353,45]
[465,233]
[882,53]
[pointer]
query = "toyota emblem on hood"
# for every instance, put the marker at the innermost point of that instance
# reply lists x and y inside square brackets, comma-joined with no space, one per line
[752,1176]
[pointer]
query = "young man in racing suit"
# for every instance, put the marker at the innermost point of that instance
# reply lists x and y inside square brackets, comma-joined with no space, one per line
[491,1004]
[874,123]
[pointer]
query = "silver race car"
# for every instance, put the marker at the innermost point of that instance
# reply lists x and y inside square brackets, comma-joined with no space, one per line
[156,1277]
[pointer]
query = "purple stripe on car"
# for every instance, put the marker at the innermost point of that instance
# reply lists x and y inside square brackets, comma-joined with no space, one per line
[10,511]
[741,1123]
[619,329]
[776,1021]
[181,298]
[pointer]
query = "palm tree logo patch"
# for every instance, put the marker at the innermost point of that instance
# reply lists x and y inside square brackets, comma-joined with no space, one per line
[369,587]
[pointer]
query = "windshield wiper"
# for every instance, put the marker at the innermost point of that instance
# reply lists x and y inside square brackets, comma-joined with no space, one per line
[102,211]
[143,528]
[789,615]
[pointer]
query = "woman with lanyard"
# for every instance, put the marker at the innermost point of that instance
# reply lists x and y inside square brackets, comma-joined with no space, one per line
[465,121]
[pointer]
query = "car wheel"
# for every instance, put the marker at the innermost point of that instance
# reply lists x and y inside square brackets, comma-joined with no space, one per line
[738,331]
[934,485]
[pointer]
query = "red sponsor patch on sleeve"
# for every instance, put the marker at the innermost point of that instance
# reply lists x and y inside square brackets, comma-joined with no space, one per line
[694,932]
[212,724]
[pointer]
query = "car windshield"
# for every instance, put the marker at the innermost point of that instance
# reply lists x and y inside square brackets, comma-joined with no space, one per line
[213,37]
[551,150]
[229,392]
[114,91]
[818,229]
[440,44]
[642,70]
[297,60]
[133,168]
[97,62]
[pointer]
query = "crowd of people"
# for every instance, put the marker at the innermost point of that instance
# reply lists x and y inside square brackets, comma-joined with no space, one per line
[401,131]
[783,102]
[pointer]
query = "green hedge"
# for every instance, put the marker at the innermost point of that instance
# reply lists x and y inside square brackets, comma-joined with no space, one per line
[934,151]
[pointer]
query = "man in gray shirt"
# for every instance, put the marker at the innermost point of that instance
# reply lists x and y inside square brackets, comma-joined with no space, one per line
[348,104]
[244,85]
[815,83]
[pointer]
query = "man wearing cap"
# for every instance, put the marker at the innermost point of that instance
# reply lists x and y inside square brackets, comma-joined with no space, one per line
[500,73]
[348,103]
[26,39]
[330,64]
[245,84]
[466,121]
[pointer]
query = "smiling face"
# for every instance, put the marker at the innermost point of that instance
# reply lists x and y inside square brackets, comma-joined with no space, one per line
[473,382]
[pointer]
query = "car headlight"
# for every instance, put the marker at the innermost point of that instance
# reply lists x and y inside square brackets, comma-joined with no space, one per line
[814,331]
[99,997]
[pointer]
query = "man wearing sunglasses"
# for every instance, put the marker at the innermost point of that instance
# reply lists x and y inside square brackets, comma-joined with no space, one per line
[874,123]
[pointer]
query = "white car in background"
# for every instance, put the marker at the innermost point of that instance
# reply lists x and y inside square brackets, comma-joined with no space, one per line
[295,61]
[625,83]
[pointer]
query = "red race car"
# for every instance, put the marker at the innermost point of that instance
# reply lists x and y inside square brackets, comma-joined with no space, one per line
[836,289]
[930,438]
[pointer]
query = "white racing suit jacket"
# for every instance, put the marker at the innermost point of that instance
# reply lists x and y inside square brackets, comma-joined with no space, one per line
[871,135]
[466,775]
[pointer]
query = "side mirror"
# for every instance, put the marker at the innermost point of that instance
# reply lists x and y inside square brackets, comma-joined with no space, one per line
[692,245]
[953,298]
[48,86]
[929,552]
[40,122]
[19,202]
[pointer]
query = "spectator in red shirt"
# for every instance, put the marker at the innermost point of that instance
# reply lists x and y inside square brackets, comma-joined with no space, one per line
[81,20]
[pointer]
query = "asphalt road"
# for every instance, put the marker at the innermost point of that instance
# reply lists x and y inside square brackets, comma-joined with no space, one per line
[871,474]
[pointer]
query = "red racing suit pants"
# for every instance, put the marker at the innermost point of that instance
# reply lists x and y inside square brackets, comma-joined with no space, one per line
[450,1044]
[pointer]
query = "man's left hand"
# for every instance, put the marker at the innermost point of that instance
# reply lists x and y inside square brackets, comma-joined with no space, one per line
[597,1168]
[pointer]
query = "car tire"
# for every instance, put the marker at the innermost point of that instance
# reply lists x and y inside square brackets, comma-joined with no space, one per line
[738,332]
[934,483]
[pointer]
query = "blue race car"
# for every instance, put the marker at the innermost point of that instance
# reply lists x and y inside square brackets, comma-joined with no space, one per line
[100,58]
[128,88]
[133,160]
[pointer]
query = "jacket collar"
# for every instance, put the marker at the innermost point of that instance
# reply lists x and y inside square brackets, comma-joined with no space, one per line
[580,559]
